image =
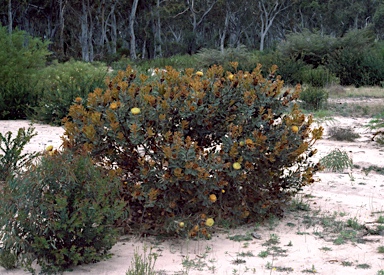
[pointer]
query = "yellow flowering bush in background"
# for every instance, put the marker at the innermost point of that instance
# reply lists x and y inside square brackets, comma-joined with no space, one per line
[190,145]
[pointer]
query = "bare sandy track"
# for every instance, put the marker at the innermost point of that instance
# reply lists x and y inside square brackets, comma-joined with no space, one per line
[361,198]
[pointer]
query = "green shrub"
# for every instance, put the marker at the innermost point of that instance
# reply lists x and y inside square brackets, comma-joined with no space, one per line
[313,49]
[21,57]
[194,148]
[337,161]
[314,98]
[207,57]
[8,260]
[358,60]
[342,134]
[12,158]
[318,77]
[61,83]
[60,212]
[291,70]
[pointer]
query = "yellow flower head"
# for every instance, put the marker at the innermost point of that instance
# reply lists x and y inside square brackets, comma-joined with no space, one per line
[114,105]
[199,73]
[49,148]
[236,166]
[135,111]
[212,198]
[209,222]
[295,129]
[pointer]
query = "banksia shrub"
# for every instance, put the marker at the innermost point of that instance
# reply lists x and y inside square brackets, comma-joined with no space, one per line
[206,146]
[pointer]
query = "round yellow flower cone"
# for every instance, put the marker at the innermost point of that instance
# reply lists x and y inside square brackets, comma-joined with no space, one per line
[236,166]
[212,197]
[295,129]
[209,222]
[135,111]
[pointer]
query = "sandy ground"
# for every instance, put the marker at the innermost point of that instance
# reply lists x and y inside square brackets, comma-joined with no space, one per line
[304,246]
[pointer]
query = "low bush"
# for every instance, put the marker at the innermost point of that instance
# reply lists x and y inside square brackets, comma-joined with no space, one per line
[60,212]
[314,98]
[337,161]
[193,148]
[318,77]
[208,57]
[12,158]
[342,134]
[289,69]
[61,83]
[21,58]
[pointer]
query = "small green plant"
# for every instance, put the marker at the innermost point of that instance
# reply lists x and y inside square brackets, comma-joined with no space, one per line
[241,237]
[377,169]
[8,260]
[298,204]
[363,266]
[380,249]
[314,98]
[12,158]
[310,270]
[354,224]
[263,254]
[143,264]
[342,134]
[325,248]
[380,219]
[246,254]
[344,236]
[380,272]
[337,161]
[346,263]
[60,212]
[273,240]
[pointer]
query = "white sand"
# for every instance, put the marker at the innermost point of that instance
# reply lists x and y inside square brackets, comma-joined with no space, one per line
[361,198]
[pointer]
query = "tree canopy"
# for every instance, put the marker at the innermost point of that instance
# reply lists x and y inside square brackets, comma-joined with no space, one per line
[108,29]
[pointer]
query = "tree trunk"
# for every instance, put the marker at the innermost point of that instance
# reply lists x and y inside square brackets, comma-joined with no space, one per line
[113,30]
[223,34]
[132,30]
[157,31]
[62,4]
[84,32]
[268,15]
[10,19]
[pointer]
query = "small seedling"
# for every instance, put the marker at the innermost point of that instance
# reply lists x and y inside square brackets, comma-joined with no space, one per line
[363,266]
[325,248]
[346,263]
[380,249]
[245,254]
[263,254]
[241,238]
[273,240]
[311,270]
[337,161]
